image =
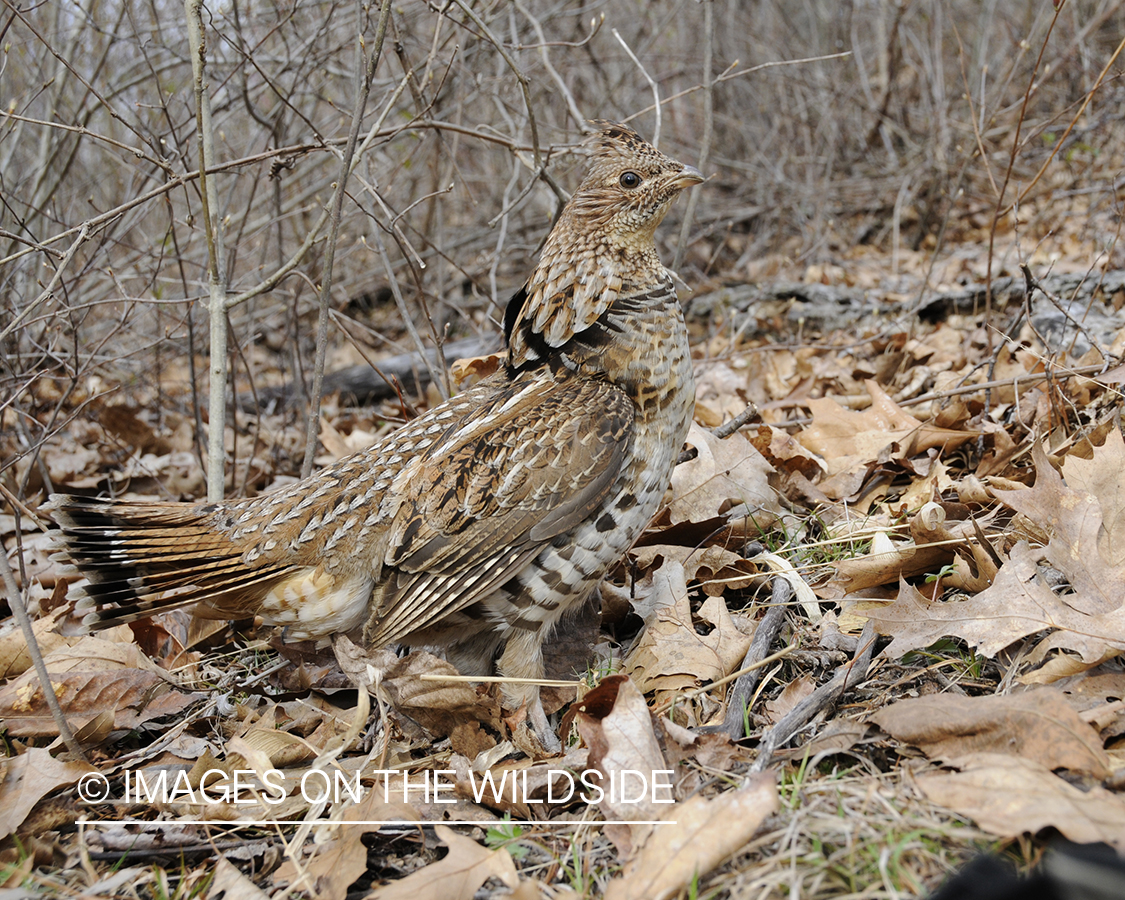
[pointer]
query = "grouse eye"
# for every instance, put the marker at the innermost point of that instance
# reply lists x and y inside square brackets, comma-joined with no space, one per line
[630,180]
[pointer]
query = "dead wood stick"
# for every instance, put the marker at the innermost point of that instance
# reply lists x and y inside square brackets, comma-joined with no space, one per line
[363,384]
[734,723]
[725,430]
[731,426]
[847,676]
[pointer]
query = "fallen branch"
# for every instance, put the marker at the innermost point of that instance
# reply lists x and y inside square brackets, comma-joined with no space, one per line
[734,723]
[847,676]
[364,384]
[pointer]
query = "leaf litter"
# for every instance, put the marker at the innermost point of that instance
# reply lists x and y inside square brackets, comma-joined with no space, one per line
[983,542]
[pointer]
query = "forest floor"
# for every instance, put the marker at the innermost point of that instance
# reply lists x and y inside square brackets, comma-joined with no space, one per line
[928,487]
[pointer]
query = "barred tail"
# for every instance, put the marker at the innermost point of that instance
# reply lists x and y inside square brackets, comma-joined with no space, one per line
[144,558]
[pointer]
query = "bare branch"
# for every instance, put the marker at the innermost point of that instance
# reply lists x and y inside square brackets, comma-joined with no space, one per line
[656,104]
[364,74]
[216,258]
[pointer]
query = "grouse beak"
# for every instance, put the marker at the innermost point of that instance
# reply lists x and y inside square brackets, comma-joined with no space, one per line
[688,176]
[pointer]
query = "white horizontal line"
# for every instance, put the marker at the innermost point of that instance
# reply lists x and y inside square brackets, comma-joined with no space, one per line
[261,823]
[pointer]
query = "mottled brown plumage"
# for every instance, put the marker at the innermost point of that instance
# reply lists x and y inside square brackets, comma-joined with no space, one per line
[476,526]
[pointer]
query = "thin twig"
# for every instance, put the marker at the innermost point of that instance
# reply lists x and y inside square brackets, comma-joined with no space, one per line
[725,430]
[365,72]
[19,611]
[853,401]
[656,105]
[83,233]
[998,212]
[732,425]
[1032,283]
[847,676]
[708,129]
[428,360]
[84,132]
[1073,121]
[730,72]
[571,106]
[525,86]
[177,181]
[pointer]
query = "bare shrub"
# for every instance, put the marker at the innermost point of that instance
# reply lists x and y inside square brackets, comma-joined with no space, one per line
[103,259]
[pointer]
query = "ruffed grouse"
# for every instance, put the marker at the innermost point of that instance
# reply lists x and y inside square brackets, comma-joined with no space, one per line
[476,526]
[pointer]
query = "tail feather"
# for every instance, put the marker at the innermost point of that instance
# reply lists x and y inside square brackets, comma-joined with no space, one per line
[143,558]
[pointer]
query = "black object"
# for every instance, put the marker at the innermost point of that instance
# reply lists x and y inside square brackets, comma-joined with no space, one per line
[1068,872]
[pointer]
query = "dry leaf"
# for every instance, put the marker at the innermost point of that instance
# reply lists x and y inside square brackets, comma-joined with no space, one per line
[14,658]
[1018,604]
[850,441]
[616,725]
[801,590]
[713,560]
[792,694]
[858,573]
[66,465]
[705,832]
[1008,796]
[130,696]
[177,474]
[1037,725]
[1093,696]
[125,423]
[230,884]
[506,786]
[1085,517]
[337,445]
[475,367]
[335,866]
[671,655]
[838,736]
[108,651]
[930,549]
[438,706]
[785,453]
[718,392]
[357,661]
[533,889]
[727,473]
[456,877]
[30,777]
